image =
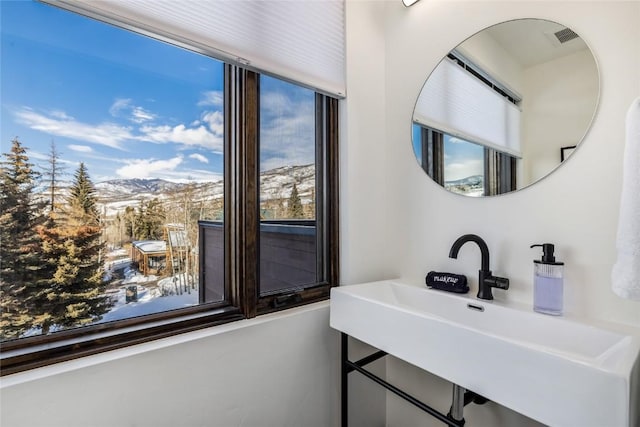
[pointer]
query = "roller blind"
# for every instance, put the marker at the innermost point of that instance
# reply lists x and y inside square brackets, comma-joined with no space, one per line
[301,41]
[455,102]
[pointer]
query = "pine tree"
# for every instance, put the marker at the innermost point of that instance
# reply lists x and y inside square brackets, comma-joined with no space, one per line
[73,294]
[20,262]
[82,198]
[294,206]
[151,220]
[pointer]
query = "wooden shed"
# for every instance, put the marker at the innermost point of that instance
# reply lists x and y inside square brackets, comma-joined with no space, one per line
[150,255]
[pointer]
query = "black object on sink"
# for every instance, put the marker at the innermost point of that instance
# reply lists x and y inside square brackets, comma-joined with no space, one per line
[447,282]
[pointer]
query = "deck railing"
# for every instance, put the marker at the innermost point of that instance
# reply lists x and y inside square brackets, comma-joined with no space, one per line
[288,257]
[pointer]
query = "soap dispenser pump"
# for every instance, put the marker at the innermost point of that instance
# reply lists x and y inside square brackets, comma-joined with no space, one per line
[548,282]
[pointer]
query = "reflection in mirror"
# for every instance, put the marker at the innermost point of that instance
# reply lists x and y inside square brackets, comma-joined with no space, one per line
[498,113]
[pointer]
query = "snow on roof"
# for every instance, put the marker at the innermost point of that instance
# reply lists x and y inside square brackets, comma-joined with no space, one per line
[149,246]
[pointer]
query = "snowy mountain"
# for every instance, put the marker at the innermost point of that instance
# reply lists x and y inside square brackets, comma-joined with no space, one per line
[471,186]
[473,180]
[133,186]
[277,183]
[115,195]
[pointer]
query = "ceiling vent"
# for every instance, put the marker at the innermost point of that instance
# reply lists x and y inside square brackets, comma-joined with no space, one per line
[565,35]
[560,37]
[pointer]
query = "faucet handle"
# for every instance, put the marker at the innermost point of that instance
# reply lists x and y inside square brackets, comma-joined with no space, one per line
[497,282]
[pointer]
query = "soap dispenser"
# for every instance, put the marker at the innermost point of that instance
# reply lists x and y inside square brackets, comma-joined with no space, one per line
[548,282]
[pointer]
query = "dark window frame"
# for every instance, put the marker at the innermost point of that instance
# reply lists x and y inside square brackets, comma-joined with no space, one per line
[500,172]
[326,129]
[433,153]
[241,225]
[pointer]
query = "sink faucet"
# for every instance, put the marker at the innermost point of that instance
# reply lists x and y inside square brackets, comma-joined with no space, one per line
[486,280]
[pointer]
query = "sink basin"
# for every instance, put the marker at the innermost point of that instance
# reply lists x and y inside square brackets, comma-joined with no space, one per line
[559,371]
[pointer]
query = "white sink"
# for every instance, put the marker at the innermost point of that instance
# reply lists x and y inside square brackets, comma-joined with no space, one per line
[559,371]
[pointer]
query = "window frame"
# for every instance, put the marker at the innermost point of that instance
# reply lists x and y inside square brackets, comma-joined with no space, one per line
[246,221]
[241,227]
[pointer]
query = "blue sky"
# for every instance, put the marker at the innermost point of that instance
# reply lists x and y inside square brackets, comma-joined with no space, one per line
[127,105]
[462,158]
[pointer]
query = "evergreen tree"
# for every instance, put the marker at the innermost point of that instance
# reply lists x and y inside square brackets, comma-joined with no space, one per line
[151,220]
[73,294]
[82,198]
[20,262]
[294,206]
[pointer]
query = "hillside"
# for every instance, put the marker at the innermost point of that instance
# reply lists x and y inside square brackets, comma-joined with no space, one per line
[114,195]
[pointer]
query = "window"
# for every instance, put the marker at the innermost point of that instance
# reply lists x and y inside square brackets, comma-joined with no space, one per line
[149,190]
[462,166]
[288,241]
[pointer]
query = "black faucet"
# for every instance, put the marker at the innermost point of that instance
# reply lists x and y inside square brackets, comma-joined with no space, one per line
[486,280]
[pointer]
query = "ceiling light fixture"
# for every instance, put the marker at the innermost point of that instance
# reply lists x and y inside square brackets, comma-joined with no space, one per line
[408,3]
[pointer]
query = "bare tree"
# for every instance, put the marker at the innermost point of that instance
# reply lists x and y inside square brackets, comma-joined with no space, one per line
[52,173]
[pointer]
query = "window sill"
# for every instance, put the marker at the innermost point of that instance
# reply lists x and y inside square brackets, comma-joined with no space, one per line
[132,350]
[36,352]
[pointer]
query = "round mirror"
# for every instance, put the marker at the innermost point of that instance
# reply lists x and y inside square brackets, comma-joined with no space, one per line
[505,107]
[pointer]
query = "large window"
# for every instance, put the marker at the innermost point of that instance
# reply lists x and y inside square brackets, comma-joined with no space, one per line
[149,190]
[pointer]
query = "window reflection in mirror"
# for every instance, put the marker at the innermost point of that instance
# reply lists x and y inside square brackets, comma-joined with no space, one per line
[517,92]
[464,167]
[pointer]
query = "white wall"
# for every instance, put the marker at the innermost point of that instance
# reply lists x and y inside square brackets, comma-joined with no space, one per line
[367,227]
[277,370]
[576,207]
[492,58]
[559,101]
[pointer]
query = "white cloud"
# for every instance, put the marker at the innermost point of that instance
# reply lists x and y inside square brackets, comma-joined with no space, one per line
[140,115]
[287,135]
[180,134]
[60,124]
[463,169]
[191,175]
[276,103]
[61,115]
[215,121]
[80,148]
[124,107]
[199,157]
[165,169]
[456,140]
[146,168]
[212,98]
[119,105]
[207,133]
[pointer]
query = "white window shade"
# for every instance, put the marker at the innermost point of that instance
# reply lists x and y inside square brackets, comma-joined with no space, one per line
[302,41]
[455,102]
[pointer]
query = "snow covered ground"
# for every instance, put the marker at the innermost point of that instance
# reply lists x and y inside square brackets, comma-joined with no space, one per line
[158,296]
[148,302]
